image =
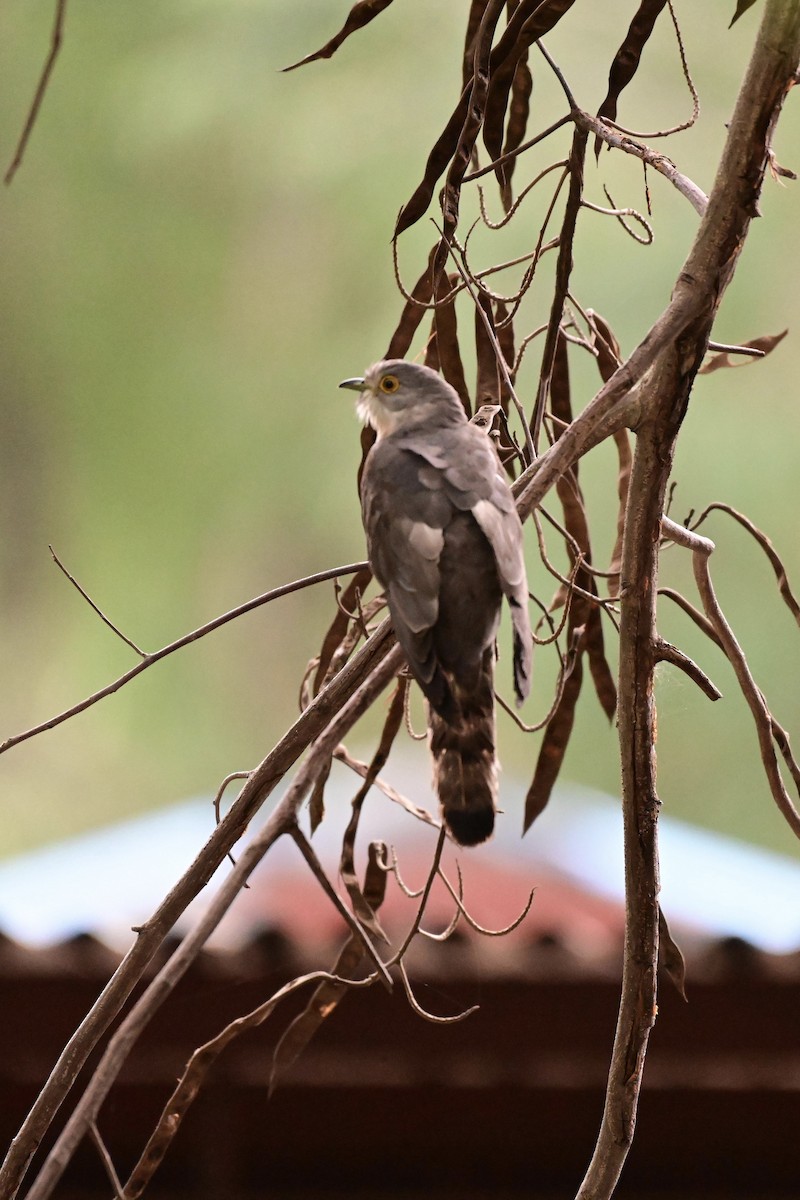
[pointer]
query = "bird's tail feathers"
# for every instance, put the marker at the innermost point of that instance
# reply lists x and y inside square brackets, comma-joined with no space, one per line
[464,761]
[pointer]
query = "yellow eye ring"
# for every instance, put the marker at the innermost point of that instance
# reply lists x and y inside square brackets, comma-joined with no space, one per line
[389,384]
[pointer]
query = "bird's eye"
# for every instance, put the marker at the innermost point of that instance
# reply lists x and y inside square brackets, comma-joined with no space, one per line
[389,384]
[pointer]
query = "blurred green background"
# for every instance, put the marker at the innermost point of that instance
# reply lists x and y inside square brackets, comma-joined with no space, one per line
[195,251]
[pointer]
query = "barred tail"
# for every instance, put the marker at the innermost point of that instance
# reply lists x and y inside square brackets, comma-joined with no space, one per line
[464,762]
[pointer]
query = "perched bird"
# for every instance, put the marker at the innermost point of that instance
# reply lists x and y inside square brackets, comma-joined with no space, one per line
[445,543]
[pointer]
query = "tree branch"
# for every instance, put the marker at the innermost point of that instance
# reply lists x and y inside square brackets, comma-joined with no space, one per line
[702,549]
[700,287]
[282,820]
[44,79]
[259,785]
[150,660]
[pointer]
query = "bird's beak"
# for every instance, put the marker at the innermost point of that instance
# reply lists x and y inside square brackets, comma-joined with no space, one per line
[354,385]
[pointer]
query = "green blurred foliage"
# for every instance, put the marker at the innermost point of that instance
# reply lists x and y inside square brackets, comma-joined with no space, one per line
[195,251]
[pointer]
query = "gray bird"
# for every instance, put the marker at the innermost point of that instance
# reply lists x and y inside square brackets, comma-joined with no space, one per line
[445,543]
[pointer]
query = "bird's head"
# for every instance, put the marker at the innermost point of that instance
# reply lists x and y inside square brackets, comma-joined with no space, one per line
[395,394]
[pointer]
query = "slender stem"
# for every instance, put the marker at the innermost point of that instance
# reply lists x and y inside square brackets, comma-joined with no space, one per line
[702,549]
[150,660]
[707,272]
[282,820]
[106,620]
[56,38]
[258,787]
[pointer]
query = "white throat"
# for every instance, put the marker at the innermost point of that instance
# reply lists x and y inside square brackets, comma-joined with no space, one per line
[374,412]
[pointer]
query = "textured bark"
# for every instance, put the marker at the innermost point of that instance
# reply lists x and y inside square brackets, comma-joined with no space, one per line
[702,282]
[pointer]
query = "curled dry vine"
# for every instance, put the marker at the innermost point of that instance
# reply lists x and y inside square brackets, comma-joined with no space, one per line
[541,442]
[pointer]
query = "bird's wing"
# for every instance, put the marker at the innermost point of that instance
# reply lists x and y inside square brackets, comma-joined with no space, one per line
[475,481]
[405,514]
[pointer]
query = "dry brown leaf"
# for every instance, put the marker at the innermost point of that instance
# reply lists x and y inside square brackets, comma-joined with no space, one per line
[412,314]
[626,60]
[360,15]
[555,740]
[447,349]
[316,803]
[670,956]
[741,8]
[488,387]
[583,612]
[765,344]
[329,993]
[339,625]
[531,20]
[391,727]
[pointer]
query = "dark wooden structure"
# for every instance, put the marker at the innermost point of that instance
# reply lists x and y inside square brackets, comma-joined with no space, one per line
[504,1104]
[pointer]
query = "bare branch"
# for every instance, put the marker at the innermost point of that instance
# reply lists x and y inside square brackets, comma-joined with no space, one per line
[458,897]
[378,651]
[701,284]
[91,603]
[702,548]
[282,820]
[423,1012]
[201,632]
[659,162]
[666,652]
[766,545]
[44,79]
[110,1169]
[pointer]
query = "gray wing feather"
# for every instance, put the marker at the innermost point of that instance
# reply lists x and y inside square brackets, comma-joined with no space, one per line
[411,488]
[404,519]
[504,532]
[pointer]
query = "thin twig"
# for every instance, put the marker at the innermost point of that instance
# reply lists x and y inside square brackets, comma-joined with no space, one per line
[702,548]
[666,652]
[355,926]
[223,788]
[316,718]
[393,866]
[724,348]
[128,641]
[659,162]
[554,166]
[620,214]
[218,801]
[110,1169]
[397,957]
[423,1012]
[452,926]
[361,768]
[157,655]
[44,79]
[471,920]
[765,544]
[504,158]
[281,821]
